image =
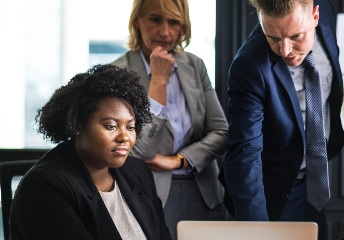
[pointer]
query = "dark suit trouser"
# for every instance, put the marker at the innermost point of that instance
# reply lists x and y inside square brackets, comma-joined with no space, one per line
[185,202]
[298,209]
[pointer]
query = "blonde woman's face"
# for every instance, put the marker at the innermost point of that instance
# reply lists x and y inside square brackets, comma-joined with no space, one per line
[157,30]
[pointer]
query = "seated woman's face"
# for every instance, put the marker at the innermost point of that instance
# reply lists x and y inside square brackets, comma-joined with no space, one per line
[108,135]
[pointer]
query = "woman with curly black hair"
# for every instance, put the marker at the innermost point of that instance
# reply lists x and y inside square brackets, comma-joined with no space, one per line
[88,187]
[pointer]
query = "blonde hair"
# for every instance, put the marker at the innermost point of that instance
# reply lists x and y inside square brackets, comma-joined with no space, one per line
[174,9]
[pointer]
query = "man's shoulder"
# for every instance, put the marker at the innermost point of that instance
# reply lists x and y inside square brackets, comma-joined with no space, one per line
[255,45]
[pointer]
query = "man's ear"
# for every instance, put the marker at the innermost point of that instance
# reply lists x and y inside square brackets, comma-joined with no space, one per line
[316,15]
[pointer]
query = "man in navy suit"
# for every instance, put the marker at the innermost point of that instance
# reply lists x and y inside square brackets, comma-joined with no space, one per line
[264,171]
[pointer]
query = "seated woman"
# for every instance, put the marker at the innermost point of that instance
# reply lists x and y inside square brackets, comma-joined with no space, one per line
[88,187]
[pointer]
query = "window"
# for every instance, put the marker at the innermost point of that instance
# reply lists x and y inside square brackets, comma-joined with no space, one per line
[340,41]
[43,44]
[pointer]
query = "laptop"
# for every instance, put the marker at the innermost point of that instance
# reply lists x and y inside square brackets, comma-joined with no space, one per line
[246,230]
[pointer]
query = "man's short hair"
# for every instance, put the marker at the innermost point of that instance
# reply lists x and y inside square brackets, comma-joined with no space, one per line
[277,8]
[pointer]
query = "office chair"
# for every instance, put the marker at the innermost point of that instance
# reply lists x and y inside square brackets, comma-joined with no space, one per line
[11,172]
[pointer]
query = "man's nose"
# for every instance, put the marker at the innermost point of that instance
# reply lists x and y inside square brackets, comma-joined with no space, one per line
[285,47]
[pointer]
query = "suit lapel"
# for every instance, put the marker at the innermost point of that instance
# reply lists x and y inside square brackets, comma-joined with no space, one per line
[187,81]
[330,46]
[283,75]
[130,187]
[136,64]
[106,228]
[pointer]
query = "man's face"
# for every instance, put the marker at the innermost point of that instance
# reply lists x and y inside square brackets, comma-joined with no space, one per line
[291,36]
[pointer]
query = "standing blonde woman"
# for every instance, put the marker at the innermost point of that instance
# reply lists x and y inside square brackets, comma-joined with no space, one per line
[189,129]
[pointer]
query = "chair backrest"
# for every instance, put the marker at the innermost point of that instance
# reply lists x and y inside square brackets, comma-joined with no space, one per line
[242,230]
[11,172]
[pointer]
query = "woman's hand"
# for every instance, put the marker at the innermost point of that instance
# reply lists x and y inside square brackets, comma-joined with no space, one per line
[161,65]
[161,163]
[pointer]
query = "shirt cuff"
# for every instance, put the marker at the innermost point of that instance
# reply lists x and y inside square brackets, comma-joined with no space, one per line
[191,167]
[158,109]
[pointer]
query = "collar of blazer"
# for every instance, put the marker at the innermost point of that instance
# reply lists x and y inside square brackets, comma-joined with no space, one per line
[130,179]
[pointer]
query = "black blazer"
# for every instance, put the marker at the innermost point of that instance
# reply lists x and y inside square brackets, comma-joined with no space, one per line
[57,199]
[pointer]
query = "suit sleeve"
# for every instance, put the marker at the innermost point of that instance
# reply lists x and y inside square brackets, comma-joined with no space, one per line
[209,137]
[210,143]
[42,211]
[152,136]
[243,164]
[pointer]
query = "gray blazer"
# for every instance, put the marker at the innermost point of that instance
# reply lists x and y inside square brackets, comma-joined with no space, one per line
[208,134]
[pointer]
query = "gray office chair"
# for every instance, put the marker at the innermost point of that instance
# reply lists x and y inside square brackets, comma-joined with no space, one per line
[11,172]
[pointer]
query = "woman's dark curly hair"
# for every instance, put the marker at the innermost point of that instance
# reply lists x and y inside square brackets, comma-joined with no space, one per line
[57,120]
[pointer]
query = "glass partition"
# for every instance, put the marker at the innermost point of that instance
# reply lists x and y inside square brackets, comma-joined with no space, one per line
[45,43]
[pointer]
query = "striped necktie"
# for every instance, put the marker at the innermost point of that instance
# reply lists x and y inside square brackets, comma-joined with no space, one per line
[317,180]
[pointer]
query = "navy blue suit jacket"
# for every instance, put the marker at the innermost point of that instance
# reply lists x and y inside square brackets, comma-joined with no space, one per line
[266,130]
